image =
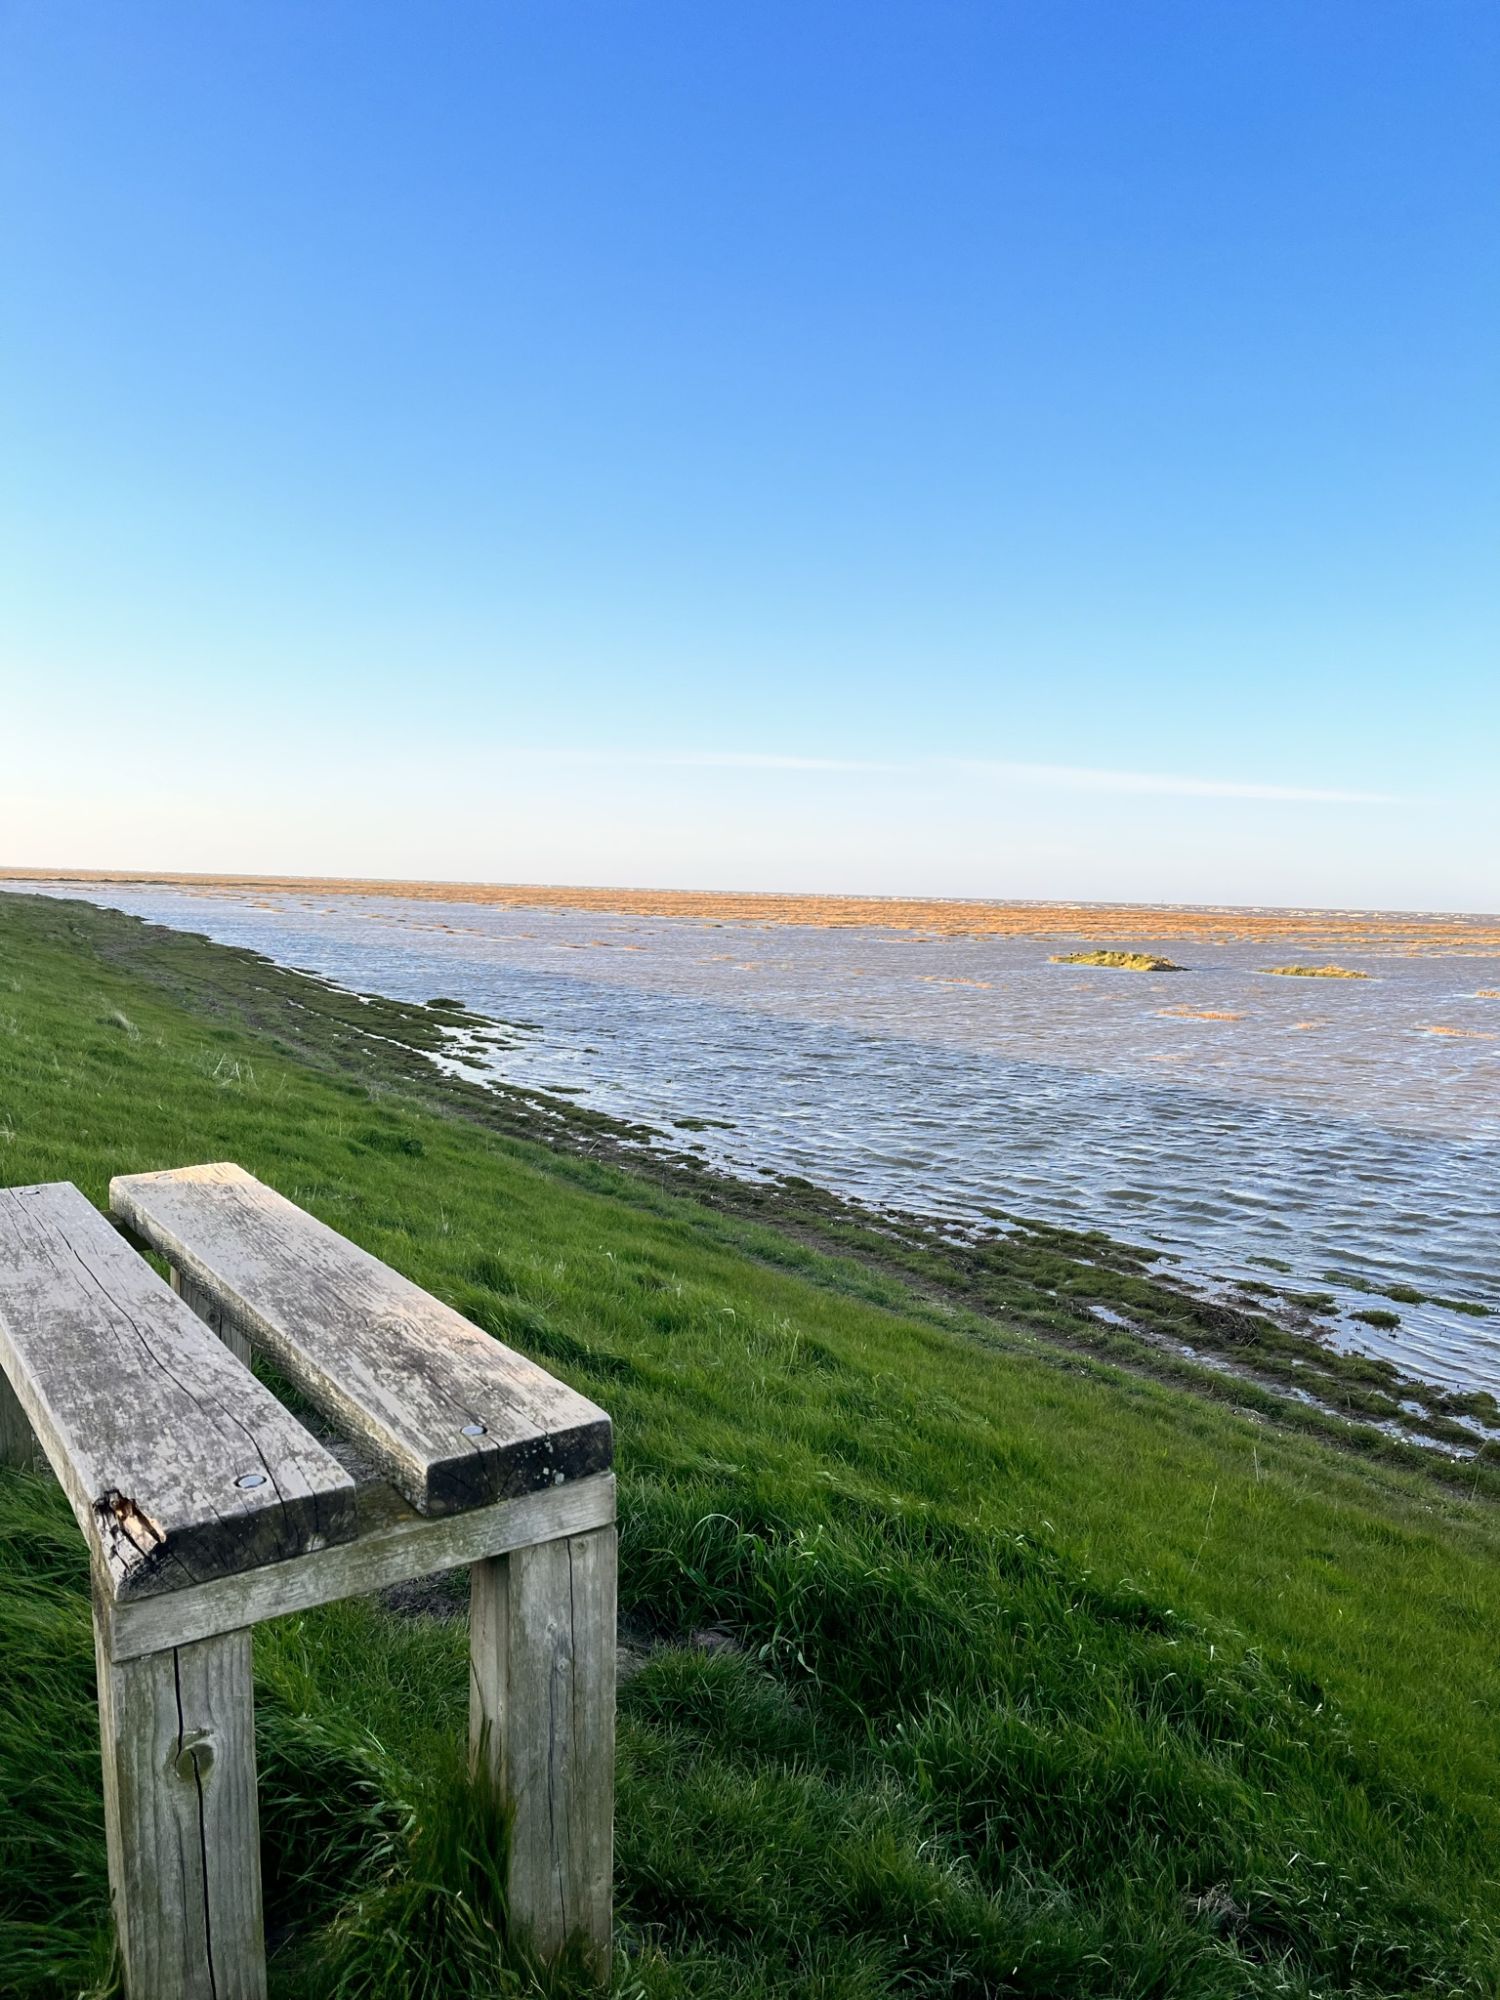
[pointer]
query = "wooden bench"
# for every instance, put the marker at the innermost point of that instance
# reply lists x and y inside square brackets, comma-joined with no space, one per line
[208,1507]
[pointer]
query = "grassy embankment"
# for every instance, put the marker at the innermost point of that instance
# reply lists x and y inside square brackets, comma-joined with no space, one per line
[1036,1675]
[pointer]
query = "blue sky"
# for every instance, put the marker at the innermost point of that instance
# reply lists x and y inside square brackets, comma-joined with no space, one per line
[1014,447]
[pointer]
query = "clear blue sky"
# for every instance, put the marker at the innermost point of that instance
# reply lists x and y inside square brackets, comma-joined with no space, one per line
[1018,447]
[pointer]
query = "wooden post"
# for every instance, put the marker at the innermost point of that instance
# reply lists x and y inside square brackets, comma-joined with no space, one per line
[177,1730]
[18,1446]
[213,1315]
[542,1719]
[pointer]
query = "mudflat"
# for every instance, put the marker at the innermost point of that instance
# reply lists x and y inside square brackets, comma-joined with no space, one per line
[1445,932]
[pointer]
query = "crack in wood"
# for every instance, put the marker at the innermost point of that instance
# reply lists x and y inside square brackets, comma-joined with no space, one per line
[192,1753]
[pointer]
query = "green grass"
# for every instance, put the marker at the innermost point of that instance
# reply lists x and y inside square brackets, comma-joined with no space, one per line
[1123,961]
[1044,1677]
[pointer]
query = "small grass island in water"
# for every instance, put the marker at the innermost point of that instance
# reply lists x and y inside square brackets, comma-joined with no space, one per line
[1315,972]
[1124,961]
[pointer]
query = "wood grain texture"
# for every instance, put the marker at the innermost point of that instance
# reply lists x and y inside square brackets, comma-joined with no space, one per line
[453,1418]
[395,1544]
[177,1731]
[542,1721]
[178,1464]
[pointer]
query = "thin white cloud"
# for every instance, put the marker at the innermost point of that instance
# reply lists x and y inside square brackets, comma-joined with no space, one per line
[1054,777]
[700,760]
[1078,778]
[752,760]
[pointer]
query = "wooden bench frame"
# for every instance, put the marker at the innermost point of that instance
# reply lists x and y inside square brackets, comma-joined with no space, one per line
[176,1702]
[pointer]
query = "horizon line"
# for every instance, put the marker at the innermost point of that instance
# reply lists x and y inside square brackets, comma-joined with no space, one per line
[335,884]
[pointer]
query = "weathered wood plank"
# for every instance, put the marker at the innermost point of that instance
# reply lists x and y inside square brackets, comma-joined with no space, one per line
[453,1418]
[182,1829]
[542,1721]
[395,1544]
[177,1463]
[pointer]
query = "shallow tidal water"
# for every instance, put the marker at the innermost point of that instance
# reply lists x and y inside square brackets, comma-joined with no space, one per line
[1304,1132]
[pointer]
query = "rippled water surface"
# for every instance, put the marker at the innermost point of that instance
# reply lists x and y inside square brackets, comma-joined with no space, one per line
[1241,1121]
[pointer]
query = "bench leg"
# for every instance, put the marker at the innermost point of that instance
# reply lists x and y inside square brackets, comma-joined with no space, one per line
[211,1313]
[178,1734]
[542,1720]
[18,1445]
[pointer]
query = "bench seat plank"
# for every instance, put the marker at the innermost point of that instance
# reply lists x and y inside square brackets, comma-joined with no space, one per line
[453,1418]
[179,1465]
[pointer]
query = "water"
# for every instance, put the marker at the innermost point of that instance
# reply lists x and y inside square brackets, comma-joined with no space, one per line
[1324,1126]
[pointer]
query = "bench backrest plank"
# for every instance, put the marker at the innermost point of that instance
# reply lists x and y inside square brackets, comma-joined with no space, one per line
[453,1418]
[179,1465]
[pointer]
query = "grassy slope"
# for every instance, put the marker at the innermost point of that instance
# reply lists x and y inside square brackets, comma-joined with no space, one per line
[1046,1679]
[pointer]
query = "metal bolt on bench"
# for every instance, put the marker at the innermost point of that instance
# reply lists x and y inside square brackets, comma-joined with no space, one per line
[207,1507]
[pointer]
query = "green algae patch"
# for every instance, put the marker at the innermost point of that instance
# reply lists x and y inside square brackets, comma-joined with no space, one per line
[1119,961]
[1314,972]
